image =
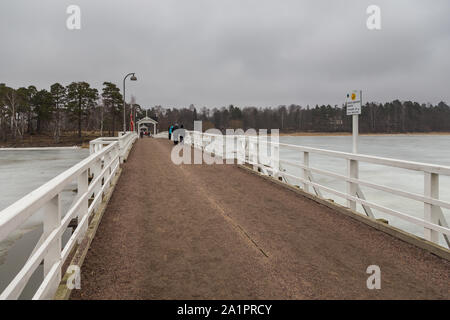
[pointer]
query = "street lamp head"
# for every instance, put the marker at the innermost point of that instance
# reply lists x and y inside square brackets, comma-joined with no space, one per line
[133,78]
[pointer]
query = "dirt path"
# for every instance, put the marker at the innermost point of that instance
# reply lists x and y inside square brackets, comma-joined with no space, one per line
[218,232]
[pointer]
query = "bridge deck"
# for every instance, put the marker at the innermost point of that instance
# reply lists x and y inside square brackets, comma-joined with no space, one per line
[198,231]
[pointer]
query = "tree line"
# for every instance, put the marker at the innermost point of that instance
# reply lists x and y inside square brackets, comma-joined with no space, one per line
[392,117]
[78,107]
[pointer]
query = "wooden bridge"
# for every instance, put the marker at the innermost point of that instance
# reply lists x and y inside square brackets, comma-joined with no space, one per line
[197,231]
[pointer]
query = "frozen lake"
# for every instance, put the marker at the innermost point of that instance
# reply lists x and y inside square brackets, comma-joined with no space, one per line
[23,171]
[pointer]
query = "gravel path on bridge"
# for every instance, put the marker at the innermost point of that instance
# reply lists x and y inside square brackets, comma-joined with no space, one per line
[219,232]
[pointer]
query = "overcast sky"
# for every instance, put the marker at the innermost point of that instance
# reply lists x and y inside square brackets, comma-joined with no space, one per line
[244,52]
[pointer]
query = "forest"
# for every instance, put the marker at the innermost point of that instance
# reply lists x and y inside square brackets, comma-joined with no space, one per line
[79,108]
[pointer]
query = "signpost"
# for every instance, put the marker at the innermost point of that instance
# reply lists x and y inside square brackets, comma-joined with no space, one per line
[354,103]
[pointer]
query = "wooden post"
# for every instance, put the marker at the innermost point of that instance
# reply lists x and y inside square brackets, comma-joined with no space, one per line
[52,220]
[275,158]
[355,132]
[306,171]
[122,151]
[82,189]
[431,212]
[96,170]
[224,148]
[352,188]
[253,155]
[108,159]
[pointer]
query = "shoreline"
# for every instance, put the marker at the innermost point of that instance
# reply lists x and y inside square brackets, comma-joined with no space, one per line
[70,140]
[73,142]
[312,134]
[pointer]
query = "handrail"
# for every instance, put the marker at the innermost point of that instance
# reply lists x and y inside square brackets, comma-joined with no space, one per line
[18,212]
[433,222]
[125,140]
[405,164]
[101,167]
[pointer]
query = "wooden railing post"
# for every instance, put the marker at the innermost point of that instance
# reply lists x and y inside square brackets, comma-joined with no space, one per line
[224,140]
[254,148]
[52,220]
[240,150]
[237,153]
[306,171]
[247,148]
[275,155]
[121,149]
[201,142]
[108,159]
[82,189]
[431,212]
[352,188]
[96,170]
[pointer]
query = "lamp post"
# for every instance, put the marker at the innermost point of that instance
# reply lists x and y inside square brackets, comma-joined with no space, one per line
[133,78]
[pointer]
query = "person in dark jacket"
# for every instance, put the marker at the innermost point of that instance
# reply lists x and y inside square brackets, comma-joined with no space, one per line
[175,134]
[181,135]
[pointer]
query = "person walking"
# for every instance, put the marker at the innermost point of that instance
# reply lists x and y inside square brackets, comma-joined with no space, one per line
[181,135]
[170,132]
[175,133]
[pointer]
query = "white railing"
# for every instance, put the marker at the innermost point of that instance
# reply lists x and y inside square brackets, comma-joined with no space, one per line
[125,141]
[245,148]
[93,176]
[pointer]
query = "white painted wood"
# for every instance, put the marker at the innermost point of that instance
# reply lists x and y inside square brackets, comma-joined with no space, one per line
[316,190]
[306,170]
[352,188]
[355,132]
[431,212]
[13,216]
[82,190]
[47,197]
[52,220]
[50,283]
[366,209]
[443,222]
[404,216]
[409,195]
[410,165]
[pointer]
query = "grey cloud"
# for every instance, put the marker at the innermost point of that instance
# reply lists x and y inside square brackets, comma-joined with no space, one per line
[245,52]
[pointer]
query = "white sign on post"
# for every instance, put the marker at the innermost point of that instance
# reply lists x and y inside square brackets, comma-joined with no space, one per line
[354,103]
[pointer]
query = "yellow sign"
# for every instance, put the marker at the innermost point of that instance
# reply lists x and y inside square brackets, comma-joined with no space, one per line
[353,103]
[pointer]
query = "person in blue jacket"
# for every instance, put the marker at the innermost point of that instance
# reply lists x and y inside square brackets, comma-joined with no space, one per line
[170,132]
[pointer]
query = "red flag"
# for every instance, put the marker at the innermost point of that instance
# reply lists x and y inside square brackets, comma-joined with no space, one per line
[131,122]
